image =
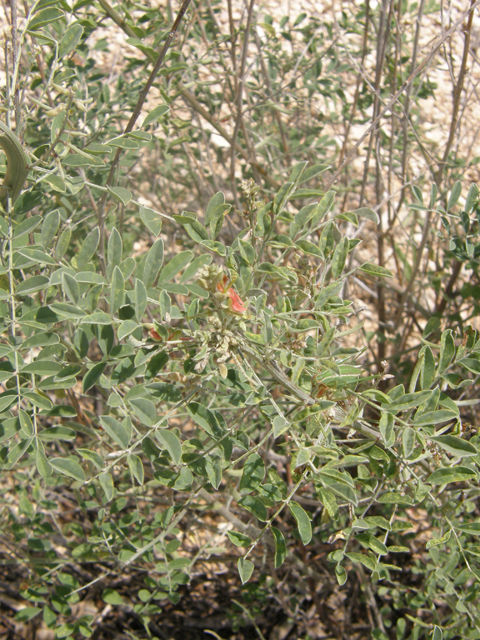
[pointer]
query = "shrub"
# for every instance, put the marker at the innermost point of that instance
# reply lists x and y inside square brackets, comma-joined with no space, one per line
[183,388]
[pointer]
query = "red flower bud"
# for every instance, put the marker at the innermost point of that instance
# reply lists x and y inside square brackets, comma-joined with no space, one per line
[154,334]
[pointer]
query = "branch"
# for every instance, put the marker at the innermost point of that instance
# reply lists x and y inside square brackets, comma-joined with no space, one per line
[137,110]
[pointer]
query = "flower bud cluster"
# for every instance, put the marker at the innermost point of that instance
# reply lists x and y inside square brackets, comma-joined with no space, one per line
[210,276]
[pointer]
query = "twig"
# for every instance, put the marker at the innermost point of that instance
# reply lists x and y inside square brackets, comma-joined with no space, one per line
[359,80]
[406,108]
[388,107]
[239,97]
[269,92]
[133,119]
[457,91]
[195,104]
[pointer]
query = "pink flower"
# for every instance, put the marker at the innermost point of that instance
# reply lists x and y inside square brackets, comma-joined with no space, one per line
[235,303]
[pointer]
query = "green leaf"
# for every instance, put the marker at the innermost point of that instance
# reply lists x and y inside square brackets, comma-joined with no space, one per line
[435,542]
[255,506]
[43,18]
[116,430]
[471,199]
[427,374]
[447,350]
[71,288]
[280,547]
[301,219]
[49,228]
[454,195]
[375,270]
[280,425]
[69,40]
[323,207]
[40,339]
[184,480]
[455,445]
[126,328]
[361,558]
[34,255]
[63,243]
[386,429]
[396,548]
[42,367]
[117,291]
[153,263]
[408,442]
[18,450]
[433,418]
[437,633]
[344,478]
[213,466]
[377,546]
[247,251]
[282,196]
[88,249]
[176,264]
[97,317]
[171,443]
[303,522]
[394,497]
[92,376]
[75,160]
[471,365]
[145,410]
[340,574]
[239,539]
[110,596]
[106,482]
[368,214]
[195,229]
[27,226]
[44,468]
[68,467]
[155,114]
[115,248]
[136,467]
[408,401]
[27,613]
[378,521]
[194,266]
[57,433]
[471,528]
[339,258]
[119,193]
[55,182]
[205,418]
[122,142]
[155,364]
[245,569]
[344,491]
[328,498]
[140,299]
[151,219]
[253,473]
[64,630]
[451,474]
[32,285]
[216,210]
[92,456]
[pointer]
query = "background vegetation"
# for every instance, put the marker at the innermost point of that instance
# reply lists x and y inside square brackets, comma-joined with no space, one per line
[239,312]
